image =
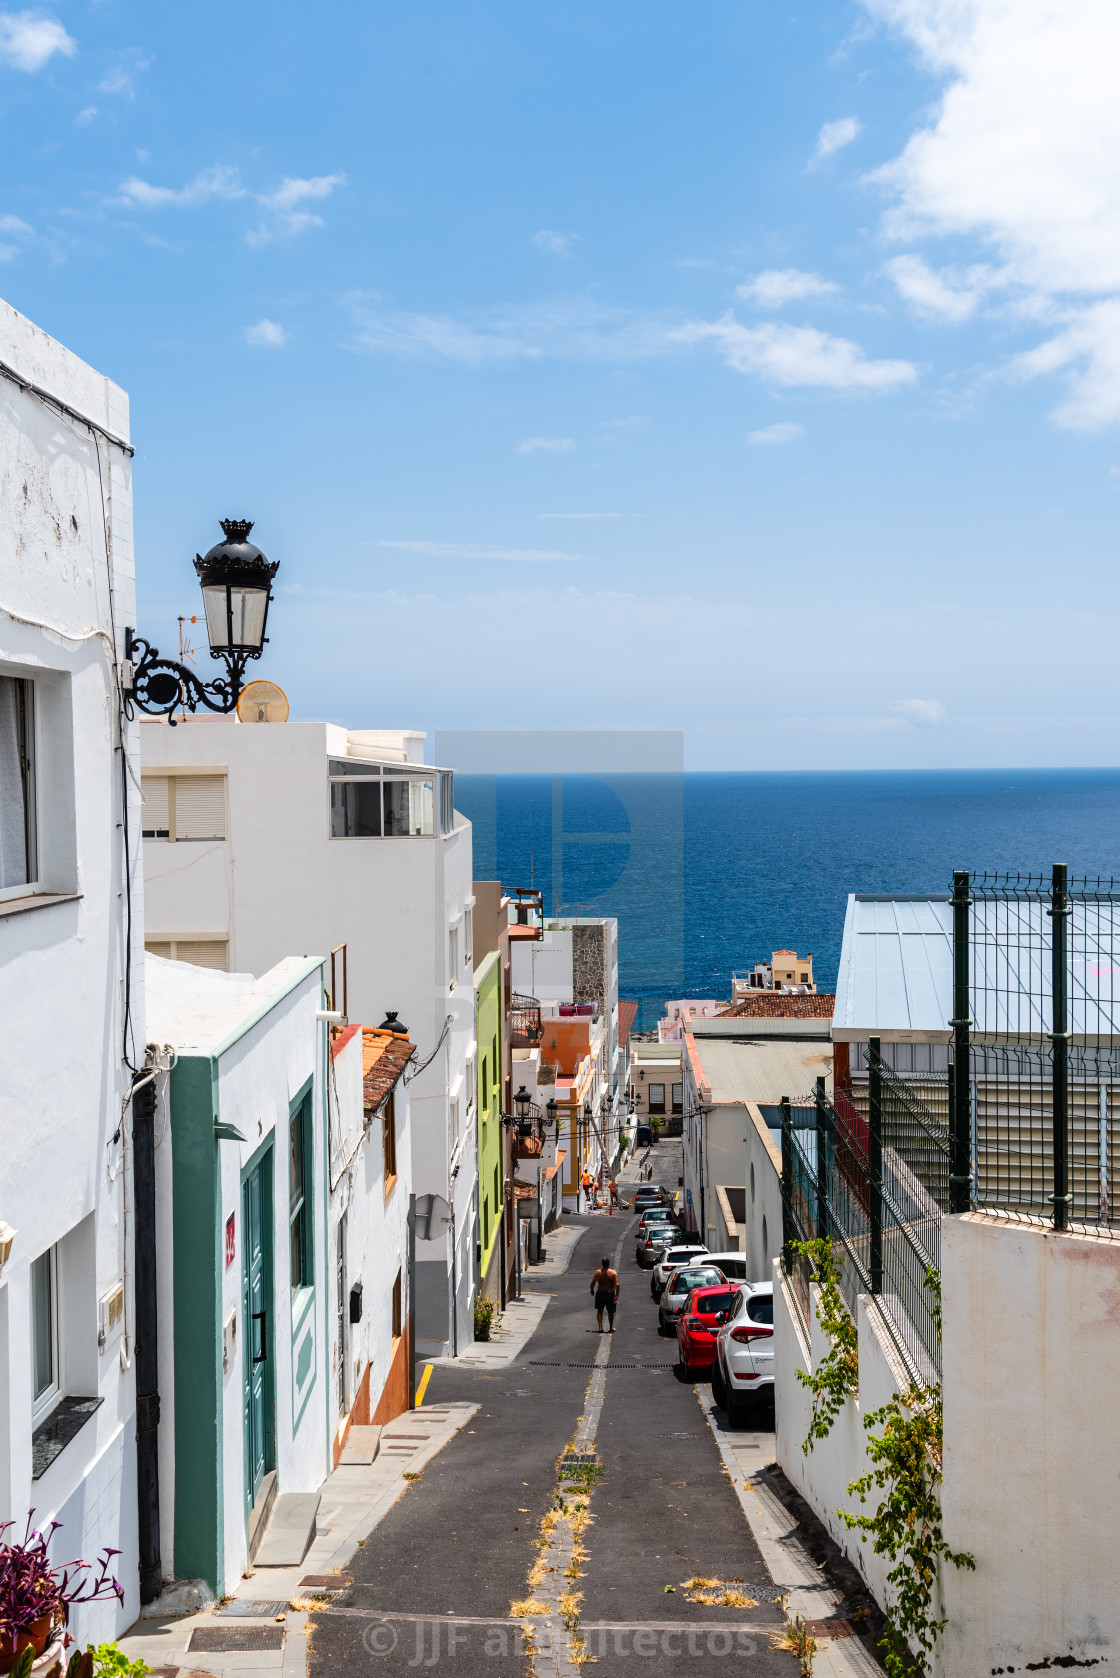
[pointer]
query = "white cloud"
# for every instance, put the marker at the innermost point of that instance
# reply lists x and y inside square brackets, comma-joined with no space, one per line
[218,182]
[785,431]
[694,262]
[284,211]
[556,445]
[121,78]
[266,334]
[947,295]
[573,328]
[619,515]
[467,550]
[799,355]
[1020,154]
[558,244]
[834,136]
[86,115]
[285,206]
[29,39]
[923,713]
[775,286]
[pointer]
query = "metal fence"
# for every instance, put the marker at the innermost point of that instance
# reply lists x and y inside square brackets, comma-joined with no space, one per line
[1035,1074]
[870,1186]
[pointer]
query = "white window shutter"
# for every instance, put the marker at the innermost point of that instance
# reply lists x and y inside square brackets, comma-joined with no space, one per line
[200,807]
[154,810]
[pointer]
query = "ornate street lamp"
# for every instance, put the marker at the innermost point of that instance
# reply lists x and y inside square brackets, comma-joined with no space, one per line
[523,1101]
[551,1108]
[236,581]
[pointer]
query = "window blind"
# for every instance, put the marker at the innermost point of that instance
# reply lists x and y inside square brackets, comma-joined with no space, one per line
[200,807]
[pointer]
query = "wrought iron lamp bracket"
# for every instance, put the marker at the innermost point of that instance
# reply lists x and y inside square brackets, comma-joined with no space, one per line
[160,687]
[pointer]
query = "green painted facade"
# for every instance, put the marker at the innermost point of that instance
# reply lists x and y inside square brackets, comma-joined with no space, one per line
[488,1014]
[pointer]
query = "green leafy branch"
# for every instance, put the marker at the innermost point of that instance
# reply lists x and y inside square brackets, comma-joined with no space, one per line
[836,1377]
[906,1526]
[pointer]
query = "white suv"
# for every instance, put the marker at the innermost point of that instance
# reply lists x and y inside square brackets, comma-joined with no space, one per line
[744,1366]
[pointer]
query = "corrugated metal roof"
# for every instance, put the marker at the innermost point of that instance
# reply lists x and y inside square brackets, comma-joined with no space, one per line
[741,1072]
[896,966]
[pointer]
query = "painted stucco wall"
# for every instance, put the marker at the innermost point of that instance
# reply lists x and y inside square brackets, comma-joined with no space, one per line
[63,1083]
[1031,1359]
[376,1245]
[543,967]
[762,1228]
[244,1062]
[823,1477]
[285,885]
[488,1008]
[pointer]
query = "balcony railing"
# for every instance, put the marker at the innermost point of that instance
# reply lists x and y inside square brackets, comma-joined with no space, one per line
[524,1022]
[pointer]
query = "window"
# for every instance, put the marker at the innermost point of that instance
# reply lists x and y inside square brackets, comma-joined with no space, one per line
[389,1140]
[678,1098]
[183,807]
[299,1203]
[804,978]
[371,802]
[398,1315]
[486,1086]
[18,862]
[453,1122]
[200,952]
[657,1098]
[453,957]
[446,802]
[45,1391]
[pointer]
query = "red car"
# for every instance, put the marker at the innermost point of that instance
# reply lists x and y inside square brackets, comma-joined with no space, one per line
[705,1312]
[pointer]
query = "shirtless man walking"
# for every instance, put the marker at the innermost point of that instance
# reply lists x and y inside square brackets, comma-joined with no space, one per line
[605,1285]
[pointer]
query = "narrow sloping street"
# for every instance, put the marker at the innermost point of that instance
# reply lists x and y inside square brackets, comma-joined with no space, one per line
[436,1579]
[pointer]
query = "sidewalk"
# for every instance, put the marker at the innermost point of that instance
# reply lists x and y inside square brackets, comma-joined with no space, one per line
[262,1628]
[746,1456]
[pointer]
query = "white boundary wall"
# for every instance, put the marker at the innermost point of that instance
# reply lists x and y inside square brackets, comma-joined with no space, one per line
[1031,1360]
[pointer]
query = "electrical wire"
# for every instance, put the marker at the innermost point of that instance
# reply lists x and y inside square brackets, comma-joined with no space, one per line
[411,1071]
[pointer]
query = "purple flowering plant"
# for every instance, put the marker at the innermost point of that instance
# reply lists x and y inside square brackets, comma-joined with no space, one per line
[31,1586]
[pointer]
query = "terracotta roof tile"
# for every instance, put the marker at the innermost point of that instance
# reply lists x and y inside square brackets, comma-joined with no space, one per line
[385,1054]
[627,1013]
[775,1005]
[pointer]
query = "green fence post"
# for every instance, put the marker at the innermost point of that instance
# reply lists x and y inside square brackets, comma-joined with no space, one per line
[1059,1037]
[822,1161]
[787,1182]
[960,1139]
[875,1160]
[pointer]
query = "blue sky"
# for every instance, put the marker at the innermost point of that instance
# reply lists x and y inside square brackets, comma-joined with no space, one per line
[737,368]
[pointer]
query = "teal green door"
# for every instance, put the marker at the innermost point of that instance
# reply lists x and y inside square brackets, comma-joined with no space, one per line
[257,1316]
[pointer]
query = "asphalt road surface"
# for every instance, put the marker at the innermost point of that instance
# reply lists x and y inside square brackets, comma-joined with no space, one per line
[445,1564]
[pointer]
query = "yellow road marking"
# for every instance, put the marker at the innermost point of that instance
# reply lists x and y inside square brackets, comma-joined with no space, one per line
[424,1379]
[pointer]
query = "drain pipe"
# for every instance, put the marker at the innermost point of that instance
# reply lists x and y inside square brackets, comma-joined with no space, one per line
[147,1349]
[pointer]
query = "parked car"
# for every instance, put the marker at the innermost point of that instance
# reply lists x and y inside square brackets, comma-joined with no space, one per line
[744,1365]
[706,1310]
[670,1259]
[643,1137]
[649,1194]
[680,1284]
[733,1265]
[653,1243]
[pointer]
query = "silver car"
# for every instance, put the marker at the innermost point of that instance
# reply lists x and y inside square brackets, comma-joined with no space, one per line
[652,1243]
[678,1288]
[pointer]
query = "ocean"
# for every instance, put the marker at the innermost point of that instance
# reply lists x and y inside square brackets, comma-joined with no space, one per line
[708,873]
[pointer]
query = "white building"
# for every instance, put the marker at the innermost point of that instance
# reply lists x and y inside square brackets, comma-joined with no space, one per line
[572,968]
[71,962]
[244,1259]
[264,840]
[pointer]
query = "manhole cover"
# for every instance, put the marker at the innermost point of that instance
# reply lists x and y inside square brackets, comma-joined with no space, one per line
[573,1459]
[251,1609]
[228,1640]
[680,1436]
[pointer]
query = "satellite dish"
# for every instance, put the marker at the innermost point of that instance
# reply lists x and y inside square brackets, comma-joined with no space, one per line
[262,702]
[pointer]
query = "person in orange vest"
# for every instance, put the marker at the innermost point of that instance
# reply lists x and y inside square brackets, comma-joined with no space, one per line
[586,1181]
[614,1192]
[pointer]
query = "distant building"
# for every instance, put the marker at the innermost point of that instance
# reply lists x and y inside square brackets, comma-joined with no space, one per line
[261,839]
[680,1015]
[656,1090]
[785,970]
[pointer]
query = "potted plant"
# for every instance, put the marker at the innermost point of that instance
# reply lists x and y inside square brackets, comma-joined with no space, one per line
[35,1596]
[484,1317]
